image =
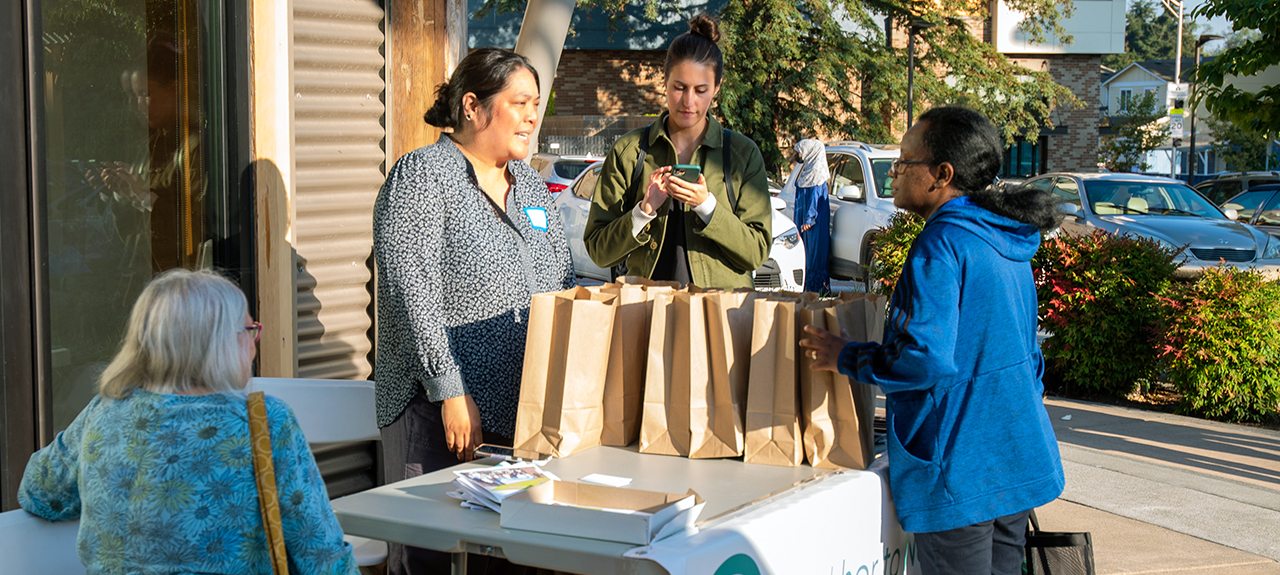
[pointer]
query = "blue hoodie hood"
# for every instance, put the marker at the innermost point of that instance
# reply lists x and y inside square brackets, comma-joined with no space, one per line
[1010,238]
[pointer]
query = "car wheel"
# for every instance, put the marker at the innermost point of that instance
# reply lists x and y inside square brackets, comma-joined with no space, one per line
[868,252]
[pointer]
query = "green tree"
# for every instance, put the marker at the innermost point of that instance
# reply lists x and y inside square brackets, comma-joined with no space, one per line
[1151,33]
[794,69]
[1137,133]
[1256,112]
[1241,149]
[815,66]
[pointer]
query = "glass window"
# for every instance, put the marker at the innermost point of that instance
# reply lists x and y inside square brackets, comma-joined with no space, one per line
[1067,191]
[848,174]
[1148,199]
[586,186]
[1022,159]
[1126,97]
[880,175]
[127,95]
[1270,214]
[832,164]
[570,170]
[1247,204]
[1040,184]
[1223,190]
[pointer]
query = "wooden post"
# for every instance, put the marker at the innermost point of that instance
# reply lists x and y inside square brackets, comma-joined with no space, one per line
[271,56]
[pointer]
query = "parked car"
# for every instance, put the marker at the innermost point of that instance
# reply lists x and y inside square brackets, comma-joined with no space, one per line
[1162,209]
[783,270]
[1259,207]
[559,171]
[861,203]
[1232,183]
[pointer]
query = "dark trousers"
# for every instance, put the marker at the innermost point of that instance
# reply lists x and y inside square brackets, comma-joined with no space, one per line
[414,445]
[992,547]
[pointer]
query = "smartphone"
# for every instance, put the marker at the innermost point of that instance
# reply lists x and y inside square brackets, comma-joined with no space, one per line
[509,454]
[686,172]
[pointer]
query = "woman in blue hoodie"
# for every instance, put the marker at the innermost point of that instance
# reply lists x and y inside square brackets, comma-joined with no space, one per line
[971,449]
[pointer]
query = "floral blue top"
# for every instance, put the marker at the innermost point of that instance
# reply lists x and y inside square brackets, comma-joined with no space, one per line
[164,484]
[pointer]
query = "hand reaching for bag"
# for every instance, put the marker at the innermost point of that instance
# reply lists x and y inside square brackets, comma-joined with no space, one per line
[462,433]
[824,347]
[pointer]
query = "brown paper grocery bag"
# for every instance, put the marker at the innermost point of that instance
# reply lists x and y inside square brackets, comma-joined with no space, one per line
[561,409]
[772,421]
[718,401]
[664,423]
[624,381]
[837,413]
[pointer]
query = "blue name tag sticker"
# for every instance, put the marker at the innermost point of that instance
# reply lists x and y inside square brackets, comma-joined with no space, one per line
[537,218]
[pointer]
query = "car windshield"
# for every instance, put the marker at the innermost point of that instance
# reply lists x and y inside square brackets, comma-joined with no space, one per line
[880,173]
[570,170]
[1147,199]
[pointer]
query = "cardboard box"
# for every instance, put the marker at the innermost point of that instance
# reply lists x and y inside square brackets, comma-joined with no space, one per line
[579,510]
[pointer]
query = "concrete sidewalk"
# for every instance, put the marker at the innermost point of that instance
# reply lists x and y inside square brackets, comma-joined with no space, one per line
[1167,494]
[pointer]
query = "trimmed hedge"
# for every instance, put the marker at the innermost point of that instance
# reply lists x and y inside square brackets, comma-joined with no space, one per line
[1221,343]
[1096,296]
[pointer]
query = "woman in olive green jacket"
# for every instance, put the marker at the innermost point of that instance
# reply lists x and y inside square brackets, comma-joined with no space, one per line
[712,233]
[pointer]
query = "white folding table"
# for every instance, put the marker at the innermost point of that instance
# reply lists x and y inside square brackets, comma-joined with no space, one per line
[758,519]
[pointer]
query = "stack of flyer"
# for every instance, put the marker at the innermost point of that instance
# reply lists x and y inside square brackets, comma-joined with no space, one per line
[487,487]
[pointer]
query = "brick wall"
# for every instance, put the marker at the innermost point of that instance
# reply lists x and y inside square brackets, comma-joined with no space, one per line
[1078,148]
[610,82]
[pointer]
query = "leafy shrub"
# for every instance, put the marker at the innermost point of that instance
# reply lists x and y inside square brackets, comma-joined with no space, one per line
[1222,344]
[891,248]
[1096,296]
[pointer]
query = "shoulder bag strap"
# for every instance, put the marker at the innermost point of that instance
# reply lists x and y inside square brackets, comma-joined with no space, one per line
[728,172]
[639,169]
[265,474]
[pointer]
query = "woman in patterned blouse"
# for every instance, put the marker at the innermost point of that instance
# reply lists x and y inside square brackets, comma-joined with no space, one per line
[464,233]
[158,468]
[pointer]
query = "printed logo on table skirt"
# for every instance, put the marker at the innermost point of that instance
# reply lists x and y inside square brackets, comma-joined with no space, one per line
[738,565]
[537,218]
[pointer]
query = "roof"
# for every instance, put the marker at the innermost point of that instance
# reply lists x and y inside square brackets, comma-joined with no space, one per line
[1162,69]
[1115,177]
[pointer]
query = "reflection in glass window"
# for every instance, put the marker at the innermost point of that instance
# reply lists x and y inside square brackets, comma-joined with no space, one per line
[880,175]
[1270,214]
[124,109]
[1023,159]
[586,187]
[1247,204]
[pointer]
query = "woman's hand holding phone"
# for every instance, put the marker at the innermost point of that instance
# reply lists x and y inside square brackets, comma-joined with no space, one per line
[691,194]
[656,193]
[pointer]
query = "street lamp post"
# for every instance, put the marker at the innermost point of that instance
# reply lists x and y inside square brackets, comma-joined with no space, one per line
[1191,167]
[912,28]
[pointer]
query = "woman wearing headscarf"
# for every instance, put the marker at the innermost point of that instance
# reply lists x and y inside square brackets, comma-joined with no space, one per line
[813,214]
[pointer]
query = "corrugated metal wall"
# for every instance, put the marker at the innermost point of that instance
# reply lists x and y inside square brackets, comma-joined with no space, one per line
[339,138]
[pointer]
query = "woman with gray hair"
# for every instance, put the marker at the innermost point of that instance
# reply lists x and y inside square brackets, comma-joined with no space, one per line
[159,467]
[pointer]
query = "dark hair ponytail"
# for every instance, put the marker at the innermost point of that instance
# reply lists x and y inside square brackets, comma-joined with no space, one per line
[483,72]
[972,145]
[697,45]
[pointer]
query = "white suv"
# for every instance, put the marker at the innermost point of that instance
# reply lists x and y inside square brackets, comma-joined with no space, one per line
[861,202]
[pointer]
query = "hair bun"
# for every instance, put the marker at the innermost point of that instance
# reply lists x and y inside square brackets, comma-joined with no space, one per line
[703,25]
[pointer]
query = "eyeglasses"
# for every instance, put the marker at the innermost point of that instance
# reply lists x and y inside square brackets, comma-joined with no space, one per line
[256,329]
[896,166]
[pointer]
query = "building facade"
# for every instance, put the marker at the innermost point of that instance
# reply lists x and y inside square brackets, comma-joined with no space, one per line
[248,136]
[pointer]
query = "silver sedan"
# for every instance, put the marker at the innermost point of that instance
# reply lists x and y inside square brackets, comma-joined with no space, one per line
[1165,210]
